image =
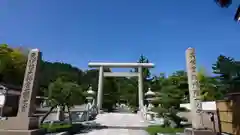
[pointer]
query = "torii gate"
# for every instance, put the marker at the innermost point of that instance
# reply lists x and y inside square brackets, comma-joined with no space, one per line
[103,74]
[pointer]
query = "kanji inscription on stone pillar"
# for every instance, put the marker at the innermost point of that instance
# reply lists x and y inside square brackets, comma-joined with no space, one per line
[194,89]
[30,85]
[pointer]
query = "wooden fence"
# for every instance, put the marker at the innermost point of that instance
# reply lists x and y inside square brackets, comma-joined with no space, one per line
[228,112]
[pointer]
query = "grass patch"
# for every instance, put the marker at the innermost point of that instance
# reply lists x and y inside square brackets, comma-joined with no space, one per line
[56,127]
[62,127]
[152,130]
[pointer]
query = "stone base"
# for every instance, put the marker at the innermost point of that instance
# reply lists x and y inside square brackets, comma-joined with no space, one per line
[190,131]
[22,132]
[18,123]
[100,111]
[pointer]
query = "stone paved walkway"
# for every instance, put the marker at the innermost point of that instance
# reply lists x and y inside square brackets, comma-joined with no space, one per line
[119,124]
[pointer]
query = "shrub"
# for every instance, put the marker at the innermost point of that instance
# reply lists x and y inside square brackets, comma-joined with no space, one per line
[56,127]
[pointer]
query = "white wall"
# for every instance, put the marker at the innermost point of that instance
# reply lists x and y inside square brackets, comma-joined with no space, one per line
[210,105]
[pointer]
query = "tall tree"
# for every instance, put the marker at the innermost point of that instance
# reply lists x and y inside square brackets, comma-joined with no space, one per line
[146,71]
[12,63]
[228,74]
[170,97]
[63,94]
[208,86]
[180,80]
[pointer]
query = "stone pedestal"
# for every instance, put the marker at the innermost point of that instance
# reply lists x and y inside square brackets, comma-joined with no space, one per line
[191,131]
[100,111]
[21,132]
[16,123]
[149,117]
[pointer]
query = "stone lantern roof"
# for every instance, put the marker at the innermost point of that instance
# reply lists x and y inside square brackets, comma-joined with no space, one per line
[90,91]
[149,92]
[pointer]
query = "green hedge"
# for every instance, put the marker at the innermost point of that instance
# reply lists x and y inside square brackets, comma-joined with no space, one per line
[61,127]
[152,130]
[56,127]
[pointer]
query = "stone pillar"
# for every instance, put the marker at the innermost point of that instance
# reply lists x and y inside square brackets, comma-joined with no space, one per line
[140,87]
[30,85]
[194,90]
[25,123]
[100,88]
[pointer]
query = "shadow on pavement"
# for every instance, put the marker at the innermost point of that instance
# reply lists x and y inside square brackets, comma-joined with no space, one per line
[87,128]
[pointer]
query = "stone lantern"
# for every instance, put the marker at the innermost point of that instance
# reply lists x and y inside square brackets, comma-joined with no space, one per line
[90,95]
[90,100]
[150,97]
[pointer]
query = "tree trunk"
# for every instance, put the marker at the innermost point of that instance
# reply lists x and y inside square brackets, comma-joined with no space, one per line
[69,115]
[62,113]
[45,116]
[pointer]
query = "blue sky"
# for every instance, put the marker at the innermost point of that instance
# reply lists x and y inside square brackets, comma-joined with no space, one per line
[79,31]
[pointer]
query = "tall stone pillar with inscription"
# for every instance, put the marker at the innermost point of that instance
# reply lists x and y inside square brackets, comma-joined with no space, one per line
[24,123]
[194,89]
[30,85]
[194,93]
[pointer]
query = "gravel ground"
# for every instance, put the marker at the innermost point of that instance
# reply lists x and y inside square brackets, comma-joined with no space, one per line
[119,124]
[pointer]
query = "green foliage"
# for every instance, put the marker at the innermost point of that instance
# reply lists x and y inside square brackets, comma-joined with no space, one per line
[153,130]
[64,93]
[12,63]
[56,127]
[172,92]
[127,88]
[228,74]
[110,94]
[51,71]
[146,72]
[208,87]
